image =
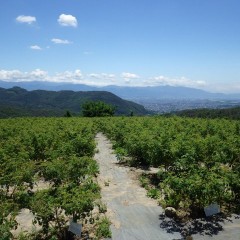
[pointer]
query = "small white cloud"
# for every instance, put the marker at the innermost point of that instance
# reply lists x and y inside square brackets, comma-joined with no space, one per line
[35,47]
[16,75]
[60,41]
[26,19]
[95,75]
[38,74]
[178,81]
[105,76]
[128,76]
[67,20]
[78,74]
[87,53]
[41,75]
[108,76]
[11,75]
[68,76]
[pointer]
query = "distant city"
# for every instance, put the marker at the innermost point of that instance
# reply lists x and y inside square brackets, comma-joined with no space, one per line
[162,106]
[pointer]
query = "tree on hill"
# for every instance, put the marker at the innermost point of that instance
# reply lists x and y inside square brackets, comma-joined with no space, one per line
[97,109]
[67,114]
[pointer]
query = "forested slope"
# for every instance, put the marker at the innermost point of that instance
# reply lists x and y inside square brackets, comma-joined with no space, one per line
[17,101]
[228,113]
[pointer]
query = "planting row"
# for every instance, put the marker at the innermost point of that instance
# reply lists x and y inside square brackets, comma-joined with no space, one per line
[198,159]
[58,153]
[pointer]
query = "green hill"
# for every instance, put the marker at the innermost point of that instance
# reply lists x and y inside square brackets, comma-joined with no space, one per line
[228,113]
[17,102]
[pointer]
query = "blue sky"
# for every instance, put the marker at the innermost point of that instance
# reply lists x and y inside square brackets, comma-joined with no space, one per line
[194,43]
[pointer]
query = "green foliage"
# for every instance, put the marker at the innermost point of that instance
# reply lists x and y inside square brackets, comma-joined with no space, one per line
[153,193]
[198,161]
[144,182]
[82,199]
[8,211]
[46,209]
[76,170]
[198,158]
[102,207]
[97,109]
[103,230]
[58,151]
[121,154]
[228,113]
[67,114]
[17,102]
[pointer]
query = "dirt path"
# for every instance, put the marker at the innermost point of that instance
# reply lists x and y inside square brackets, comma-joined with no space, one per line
[132,213]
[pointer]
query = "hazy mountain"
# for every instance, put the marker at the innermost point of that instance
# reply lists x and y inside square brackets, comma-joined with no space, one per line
[125,92]
[17,101]
[159,92]
[50,86]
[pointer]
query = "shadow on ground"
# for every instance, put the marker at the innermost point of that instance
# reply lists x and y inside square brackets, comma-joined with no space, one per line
[205,226]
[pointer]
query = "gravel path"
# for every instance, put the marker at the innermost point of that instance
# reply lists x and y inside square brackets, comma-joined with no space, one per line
[133,214]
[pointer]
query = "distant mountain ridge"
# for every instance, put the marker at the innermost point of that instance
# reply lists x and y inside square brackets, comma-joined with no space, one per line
[125,92]
[17,101]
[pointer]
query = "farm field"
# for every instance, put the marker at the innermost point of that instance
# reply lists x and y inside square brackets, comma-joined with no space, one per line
[133,215]
[198,159]
[197,162]
[57,152]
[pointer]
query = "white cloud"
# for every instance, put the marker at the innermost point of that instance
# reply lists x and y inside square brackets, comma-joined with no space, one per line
[38,74]
[67,20]
[95,75]
[104,79]
[128,76]
[103,76]
[178,81]
[11,75]
[41,75]
[60,41]
[110,77]
[68,76]
[17,76]
[26,19]
[35,47]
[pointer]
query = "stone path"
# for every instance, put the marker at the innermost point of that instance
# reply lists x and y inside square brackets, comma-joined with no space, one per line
[132,213]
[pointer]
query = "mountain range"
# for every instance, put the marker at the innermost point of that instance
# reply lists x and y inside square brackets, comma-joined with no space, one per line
[125,92]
